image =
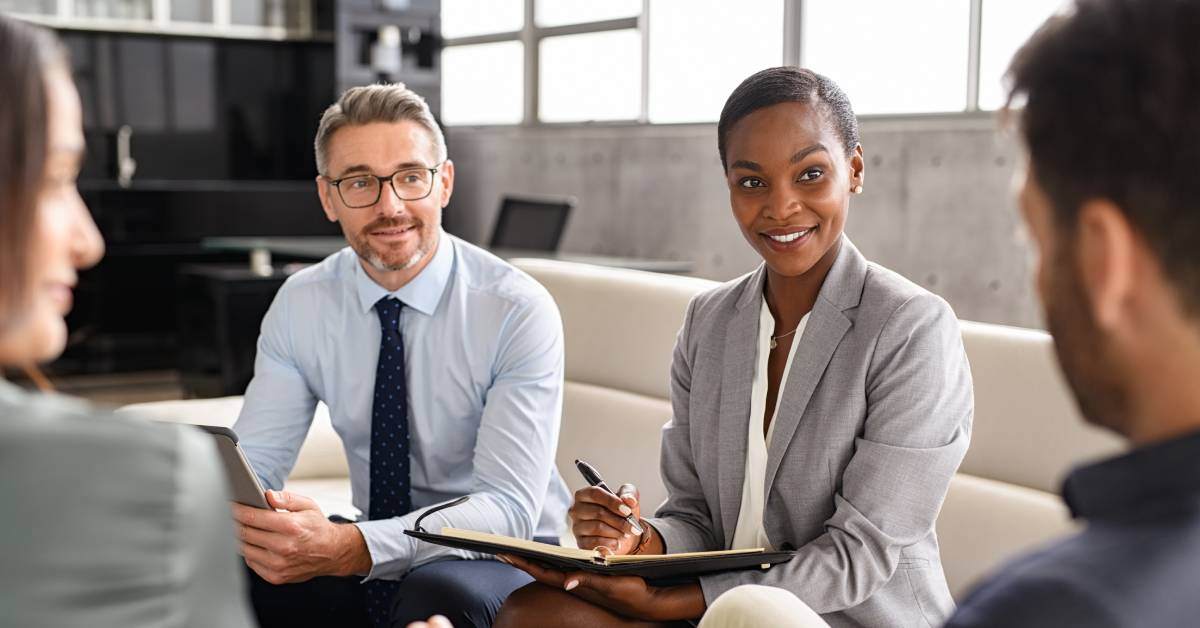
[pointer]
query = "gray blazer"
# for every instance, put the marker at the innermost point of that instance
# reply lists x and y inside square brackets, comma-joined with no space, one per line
[112,522]
[874,421]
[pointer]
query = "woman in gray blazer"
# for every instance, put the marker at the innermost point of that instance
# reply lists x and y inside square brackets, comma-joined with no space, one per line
[821,403]
[107,522]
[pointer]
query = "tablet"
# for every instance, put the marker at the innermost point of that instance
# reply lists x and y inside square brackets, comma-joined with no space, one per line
[243,483]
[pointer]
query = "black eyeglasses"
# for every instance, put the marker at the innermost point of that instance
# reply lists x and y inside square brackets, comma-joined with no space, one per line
[363,190]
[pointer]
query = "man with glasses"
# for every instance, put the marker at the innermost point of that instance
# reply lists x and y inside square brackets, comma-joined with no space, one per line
[442,368]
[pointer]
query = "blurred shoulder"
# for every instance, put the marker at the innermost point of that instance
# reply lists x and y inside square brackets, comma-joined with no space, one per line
[1043,589]
[56,443]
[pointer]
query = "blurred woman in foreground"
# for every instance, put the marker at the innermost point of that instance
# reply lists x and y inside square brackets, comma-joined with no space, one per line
[107,522]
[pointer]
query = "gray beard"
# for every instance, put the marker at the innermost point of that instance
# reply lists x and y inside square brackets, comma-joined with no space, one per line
[377,262]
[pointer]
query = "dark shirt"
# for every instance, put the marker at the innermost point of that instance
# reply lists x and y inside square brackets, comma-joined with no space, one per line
[1137,563]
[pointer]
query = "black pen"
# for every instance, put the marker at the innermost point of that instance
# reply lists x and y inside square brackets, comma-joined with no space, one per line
[592,477]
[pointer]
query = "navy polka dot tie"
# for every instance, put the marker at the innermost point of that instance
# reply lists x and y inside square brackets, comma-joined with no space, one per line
[390,495]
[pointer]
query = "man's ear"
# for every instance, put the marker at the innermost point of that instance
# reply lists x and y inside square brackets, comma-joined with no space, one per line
[1106,251]
[323,191]
[447,174]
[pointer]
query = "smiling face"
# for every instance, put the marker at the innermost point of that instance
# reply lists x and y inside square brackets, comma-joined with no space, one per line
[395,239]
[790,182]
[64,237]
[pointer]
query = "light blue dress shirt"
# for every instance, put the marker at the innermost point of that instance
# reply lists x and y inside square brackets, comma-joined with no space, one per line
[484,356]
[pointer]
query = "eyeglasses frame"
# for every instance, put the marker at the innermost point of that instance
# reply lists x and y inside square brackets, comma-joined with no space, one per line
[390,180]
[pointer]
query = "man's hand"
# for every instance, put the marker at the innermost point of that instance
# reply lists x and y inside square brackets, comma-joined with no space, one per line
[626,595]
[296,542]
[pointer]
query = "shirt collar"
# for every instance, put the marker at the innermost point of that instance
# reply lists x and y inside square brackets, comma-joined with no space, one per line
[1144,480]
[425,290]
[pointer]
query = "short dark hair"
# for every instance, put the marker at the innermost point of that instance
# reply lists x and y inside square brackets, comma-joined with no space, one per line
[28,53]
[788,84]
[1107,96]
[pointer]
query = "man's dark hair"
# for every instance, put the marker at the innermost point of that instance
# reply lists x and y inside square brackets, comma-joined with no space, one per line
[1111,110]
[788,84]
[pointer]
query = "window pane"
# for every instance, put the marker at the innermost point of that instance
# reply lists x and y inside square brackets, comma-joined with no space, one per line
[596,76]
[891,57]
[690,78]
[483,84]
[43,7]
[117,9]
[559,12]
[1006,25]
[191,10]
[285,13]
[463,18]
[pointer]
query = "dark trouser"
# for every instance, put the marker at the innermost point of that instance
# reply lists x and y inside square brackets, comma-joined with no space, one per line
[468,592]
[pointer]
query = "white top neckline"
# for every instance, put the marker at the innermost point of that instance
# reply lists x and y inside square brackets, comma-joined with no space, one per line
[750,532]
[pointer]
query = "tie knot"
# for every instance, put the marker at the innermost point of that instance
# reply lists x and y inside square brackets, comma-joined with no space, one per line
[388,309]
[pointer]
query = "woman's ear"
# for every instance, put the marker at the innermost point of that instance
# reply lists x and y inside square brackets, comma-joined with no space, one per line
[858,169]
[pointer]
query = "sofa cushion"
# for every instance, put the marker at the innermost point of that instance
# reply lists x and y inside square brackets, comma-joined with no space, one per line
[620,325]
[1028,430]
[984,523]
[321,455]
[618,432]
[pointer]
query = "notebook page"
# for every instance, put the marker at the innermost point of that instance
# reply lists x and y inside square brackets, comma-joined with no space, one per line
[533,546]
[637,558]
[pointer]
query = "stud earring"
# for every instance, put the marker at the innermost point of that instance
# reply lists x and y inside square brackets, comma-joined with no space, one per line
[857,189]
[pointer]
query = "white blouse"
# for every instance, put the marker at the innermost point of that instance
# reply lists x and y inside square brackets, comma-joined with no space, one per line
[750,532]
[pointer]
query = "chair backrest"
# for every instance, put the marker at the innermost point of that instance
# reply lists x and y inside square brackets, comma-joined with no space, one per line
[1028,430]
[531,223]
[620,328]
[321,456]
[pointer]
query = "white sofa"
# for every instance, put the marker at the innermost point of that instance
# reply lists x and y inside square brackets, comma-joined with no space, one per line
[620,330]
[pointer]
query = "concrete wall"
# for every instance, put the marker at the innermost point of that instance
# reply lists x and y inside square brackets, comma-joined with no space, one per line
[937,204]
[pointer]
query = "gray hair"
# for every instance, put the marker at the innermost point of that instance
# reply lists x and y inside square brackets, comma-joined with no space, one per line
[390,102]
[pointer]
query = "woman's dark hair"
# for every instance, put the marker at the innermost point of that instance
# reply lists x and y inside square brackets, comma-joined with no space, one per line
[788,84]
[27,52]
[1107,97]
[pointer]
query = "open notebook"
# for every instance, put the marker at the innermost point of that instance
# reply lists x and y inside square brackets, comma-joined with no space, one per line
[660,568]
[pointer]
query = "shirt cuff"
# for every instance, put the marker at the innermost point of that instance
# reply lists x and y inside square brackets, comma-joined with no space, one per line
[391,550]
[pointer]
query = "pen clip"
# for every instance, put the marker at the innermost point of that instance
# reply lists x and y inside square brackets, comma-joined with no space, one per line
[439,508]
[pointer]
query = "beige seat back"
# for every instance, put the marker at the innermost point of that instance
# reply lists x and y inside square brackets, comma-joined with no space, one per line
[321,456]
[620,328]
[1028,430]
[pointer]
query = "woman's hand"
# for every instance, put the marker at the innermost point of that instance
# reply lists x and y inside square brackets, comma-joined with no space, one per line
[598,519]
[626,595]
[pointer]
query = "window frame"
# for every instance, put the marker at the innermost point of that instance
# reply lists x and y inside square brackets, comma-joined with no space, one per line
[161,23]
[793,31]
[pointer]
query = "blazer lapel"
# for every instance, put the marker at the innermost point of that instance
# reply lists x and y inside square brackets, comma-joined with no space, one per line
[741,347]
[826,327]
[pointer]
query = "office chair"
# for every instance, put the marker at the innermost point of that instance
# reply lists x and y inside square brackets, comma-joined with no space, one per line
[531,223]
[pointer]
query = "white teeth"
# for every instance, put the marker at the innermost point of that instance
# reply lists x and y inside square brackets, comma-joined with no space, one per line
[791,237]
